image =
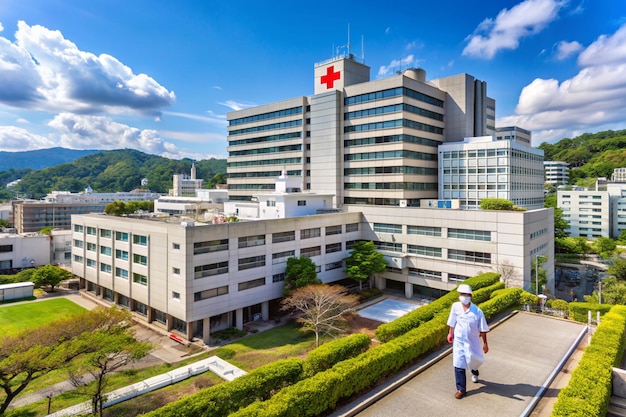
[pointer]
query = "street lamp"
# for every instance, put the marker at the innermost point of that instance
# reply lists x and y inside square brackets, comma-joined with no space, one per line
[536,274]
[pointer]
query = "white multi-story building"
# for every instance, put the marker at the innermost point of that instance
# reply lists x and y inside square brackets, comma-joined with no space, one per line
[587,212]
[619,175]
[556,172]
[196,278]
[186,185]
[485,167]
[514,133]
[19,251]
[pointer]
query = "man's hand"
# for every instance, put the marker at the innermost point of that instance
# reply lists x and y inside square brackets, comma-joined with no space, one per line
[485,347]
[450,337]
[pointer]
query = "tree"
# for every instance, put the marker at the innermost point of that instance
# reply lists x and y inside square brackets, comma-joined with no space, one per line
[299,272]
[622,237]
[496,204]
[108,350]
[618,269]
[34,353]
[364,261]
[538,271]
[219,178]
[560,224]
[604,247]
[49,275]
[613,292]
[322,308]
[506,269]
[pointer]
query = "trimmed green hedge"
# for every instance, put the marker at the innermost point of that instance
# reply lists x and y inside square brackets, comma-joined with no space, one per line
[578,310]
[330,353]
[589,389]
[223,399]
[401,325]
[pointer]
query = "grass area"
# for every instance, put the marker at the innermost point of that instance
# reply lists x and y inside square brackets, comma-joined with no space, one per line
[248,353]
[15,318]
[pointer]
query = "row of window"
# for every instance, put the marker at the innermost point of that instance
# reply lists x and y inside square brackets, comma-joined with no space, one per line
[390,154]
[265,174]
[262,139]
[390,139]
[106,233]
[273,126]
[273,149]
[390,186]
[389,124]
[393,108]
[261,162]
[393,92]
[266,116]
[468,234]
[389,170]
[454,254]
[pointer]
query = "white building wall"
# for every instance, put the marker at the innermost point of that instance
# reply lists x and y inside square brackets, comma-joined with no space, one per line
[24,251]
[587,212]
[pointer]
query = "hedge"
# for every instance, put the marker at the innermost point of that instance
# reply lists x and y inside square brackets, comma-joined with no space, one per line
[589,389]
[578,310]
[328,354]
[223,399]
[401,325]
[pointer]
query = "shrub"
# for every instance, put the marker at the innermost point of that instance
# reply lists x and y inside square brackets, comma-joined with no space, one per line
[325,356]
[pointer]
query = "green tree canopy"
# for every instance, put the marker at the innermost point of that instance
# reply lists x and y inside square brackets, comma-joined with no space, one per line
[120,208]
[604,246]
[496,204]
[299,273]
[364,261]
[49,275]
[618,269]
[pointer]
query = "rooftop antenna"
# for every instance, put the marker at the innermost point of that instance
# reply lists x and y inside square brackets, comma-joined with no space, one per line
[362,49]
[348,39]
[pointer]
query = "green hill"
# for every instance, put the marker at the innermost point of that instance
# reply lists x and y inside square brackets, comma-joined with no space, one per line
[590,155]
[114,171]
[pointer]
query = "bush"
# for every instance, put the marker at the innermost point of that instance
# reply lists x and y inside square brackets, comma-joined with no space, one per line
[579,311]
[325,356]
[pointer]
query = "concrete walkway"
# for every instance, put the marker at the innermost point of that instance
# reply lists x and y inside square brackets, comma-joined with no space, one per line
[525,355]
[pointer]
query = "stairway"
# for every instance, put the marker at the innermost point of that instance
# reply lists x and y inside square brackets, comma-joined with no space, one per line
[617,407]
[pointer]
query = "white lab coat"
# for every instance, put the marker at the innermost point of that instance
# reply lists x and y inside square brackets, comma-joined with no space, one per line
[467,352]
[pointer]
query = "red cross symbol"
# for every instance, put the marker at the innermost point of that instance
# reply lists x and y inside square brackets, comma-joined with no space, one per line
[330,77]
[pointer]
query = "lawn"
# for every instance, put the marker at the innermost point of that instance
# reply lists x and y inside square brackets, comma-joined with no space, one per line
[14,318]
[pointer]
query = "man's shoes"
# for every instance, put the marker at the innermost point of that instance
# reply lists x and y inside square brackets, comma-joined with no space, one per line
[474,375]
[459,394]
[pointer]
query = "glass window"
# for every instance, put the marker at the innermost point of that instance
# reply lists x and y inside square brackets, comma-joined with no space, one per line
[140,259]
[105,233]
[105,250]
[333,230]
[121,273]
[249,241]
[333,247]
[387,228]
[91,230]
[214,292]
[251,262]
[281,257]
[121,254]
[310,233]
[424,230]
[140,240]
[208,270]
[140,279]
[312,251]
[210,246]
[283,237]
[121,236]
[251,284]
[352,227]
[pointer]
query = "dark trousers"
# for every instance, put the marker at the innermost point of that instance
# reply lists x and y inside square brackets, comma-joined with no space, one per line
[461,380]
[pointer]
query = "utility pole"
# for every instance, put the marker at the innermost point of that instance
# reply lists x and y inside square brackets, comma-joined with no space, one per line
[536,274]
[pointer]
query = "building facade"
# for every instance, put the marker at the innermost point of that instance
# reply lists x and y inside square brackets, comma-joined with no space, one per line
[21,251]
[515,134]
[196,278]
[365,142]
[587,212]
[485,167]
[556,172]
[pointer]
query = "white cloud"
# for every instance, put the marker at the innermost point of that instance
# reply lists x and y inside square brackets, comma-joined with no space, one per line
[100,132]
[17,139]
[397,65]
[593,99]
[504,32]
[1,27]
[42,70]
[566,49]
[235,106]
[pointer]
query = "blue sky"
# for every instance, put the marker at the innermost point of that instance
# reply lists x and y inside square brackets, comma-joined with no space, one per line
[159,76]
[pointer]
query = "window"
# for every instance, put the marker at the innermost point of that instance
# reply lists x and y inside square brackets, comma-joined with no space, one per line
[91,246]
[140,240]
[141,308]
[333,247]
[105,267]
[121,273]
[425,273]
[310,233]
[121,254]
[251,284]
[78,243]
[91,263]
[91,230]
[208,270]
[210,246]
[105,250]
[456,277]
[271,203]
[78,259]
[387,228]
[121,236]
[175,295]
[469,256]
[175,271]
[470,234]
[278,277]
[140,259]
[283,237]
[424,230]
[78,228]
[105,233]
[352,227]
[334,265]
[388,246]
[251,262]
[215,292]
[312,251]
[176,246]
[281,257]
[6,248]
[140,279]
[250,241]
[302,202]
[350,243]
[424,250]
[333,230]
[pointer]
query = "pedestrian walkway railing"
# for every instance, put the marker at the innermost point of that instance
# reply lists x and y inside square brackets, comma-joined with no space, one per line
[218,366]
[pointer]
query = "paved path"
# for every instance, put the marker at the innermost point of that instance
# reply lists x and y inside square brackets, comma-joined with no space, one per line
[525,353]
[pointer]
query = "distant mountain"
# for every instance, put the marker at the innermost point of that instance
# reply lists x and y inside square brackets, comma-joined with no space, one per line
[114,171]
[41,158]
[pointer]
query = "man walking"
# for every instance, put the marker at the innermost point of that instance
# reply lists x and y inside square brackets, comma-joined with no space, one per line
[467,326]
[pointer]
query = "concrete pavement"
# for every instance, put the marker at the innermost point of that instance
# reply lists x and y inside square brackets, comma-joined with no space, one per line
[525,355]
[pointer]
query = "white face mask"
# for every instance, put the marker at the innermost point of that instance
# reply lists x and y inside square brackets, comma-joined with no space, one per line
[465,299]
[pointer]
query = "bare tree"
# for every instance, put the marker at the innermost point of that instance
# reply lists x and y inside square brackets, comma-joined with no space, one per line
[506,269]
[322,308]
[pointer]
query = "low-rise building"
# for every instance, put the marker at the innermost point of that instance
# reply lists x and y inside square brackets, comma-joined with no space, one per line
[21,251]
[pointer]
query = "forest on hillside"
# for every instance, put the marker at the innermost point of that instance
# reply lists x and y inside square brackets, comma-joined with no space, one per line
[109,171]
[589,155]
